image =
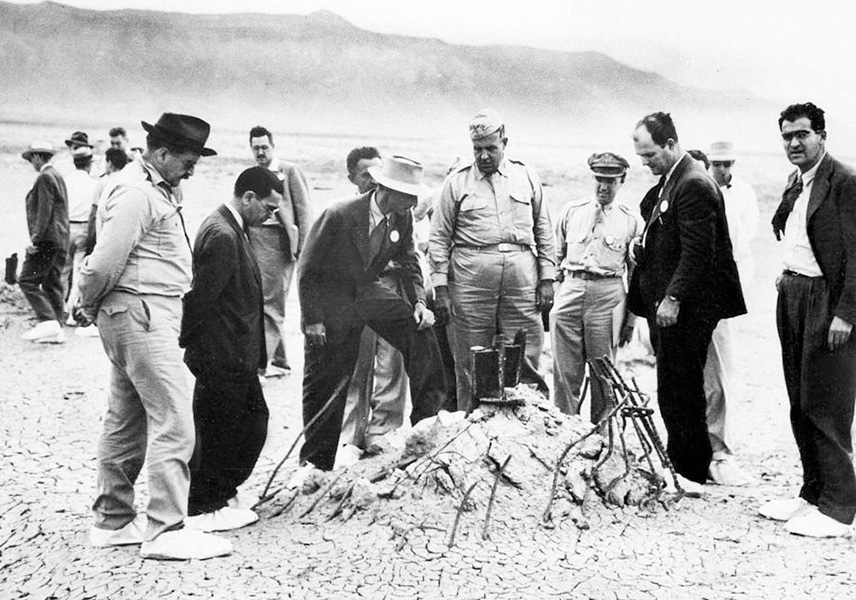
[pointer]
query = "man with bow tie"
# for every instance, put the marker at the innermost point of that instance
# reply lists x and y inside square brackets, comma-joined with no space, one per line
[340,293]
[684,283]
[816,309]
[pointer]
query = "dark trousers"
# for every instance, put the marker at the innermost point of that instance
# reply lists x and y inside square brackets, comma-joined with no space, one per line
[681,353]
[327,373]
[42,283]
[821,386]
[231,419]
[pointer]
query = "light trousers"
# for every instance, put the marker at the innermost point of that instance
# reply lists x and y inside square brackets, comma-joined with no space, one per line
[276,270]
[718,376]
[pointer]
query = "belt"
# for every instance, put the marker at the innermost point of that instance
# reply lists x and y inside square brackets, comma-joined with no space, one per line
[588,275]
[80,222]
[796,274]
[503,247]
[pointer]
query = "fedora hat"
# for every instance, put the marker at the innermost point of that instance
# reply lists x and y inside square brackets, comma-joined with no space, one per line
[183,130]
[721,151]
[38,146]
[78,138]
[400,174]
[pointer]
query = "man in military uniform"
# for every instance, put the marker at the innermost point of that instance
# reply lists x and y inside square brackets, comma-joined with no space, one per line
[593,237]
[492,251]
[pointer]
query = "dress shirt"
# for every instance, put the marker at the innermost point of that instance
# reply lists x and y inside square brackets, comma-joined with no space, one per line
[237,216]
[273,220]
[741,211]
[375,213]
[479,210]
[584,244]
[798,256]
[142,244]
[80,186]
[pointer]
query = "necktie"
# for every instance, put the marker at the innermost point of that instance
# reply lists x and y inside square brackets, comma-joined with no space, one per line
[378,235]
[787,205]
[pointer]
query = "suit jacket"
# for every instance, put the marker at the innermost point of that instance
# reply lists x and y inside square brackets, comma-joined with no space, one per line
[47,210]
[687,252]
[222,327]
[831,228]
[294,214]
[337,283]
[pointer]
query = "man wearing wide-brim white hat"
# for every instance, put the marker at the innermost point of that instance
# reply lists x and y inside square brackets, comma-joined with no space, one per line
[346,250]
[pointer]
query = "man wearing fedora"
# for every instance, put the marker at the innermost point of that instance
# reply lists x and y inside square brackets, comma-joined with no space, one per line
[593,238]
[741,211]
[132,285]
[346,250]
[41,278]
[492,251]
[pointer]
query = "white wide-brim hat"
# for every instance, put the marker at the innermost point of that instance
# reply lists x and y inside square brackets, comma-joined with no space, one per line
[401,174]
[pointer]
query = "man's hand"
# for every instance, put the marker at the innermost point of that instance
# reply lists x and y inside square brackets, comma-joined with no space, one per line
[634,252]
[83,316]
[442,304]
[316,335]
[544,295]
[667,312]
[424,318]
[839,333]
[31,249]
[626,334]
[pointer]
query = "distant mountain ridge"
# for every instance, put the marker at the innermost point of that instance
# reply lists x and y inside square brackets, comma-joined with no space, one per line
[318,70]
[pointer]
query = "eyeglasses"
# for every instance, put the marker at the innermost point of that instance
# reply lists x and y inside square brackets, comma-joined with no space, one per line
[800,135]
[721,163]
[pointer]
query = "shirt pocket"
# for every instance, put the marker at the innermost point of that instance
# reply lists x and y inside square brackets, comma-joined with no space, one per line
[612,251]
[521,206]
[476,216]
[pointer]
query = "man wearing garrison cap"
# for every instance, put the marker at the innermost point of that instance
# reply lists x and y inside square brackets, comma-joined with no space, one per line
[132,285]
[593,238]
[492,251]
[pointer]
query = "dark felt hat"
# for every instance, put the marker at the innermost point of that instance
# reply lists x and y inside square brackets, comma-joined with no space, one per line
[78,138]
[184,131]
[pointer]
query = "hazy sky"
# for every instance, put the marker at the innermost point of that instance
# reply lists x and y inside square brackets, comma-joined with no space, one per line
[773,48]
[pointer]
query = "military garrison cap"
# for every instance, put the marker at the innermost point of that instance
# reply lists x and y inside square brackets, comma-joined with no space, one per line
[608,164]
[486,122]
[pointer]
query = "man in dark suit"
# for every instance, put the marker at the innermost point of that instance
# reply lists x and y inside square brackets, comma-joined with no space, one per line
[684,283]
[345,252]
[815,314]
[222,330]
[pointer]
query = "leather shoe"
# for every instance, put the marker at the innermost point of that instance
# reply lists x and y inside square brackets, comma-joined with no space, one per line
[784,509]
[813,523]
[185,544]
[223,519]
[132,533]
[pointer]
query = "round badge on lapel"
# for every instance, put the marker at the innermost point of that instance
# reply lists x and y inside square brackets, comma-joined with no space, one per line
[664,206]
[609,239]
[393,236]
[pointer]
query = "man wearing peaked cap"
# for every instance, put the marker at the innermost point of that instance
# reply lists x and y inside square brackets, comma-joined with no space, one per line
[589,317]
[492,252]
[132,285]
[340,293]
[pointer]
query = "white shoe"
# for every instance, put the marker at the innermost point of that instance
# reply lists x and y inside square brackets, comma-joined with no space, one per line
[274,371]
[347,455]
[784,509]
[185,544]
[88,331]
[243,499]
[726,471]
[299,477]
[692,489]
[132,533]
[222,519]
[45,332]
[813,523]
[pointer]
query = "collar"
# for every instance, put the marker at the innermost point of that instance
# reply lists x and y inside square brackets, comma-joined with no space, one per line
[501,170]
[235,214]
[808,176]
[45,166]
[375,212]
[672,170]
[274,165]
[154,176]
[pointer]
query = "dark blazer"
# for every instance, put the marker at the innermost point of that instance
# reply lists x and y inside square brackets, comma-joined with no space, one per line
[336,283]
[687,251]
[47,210]
[831,227]
[222,327]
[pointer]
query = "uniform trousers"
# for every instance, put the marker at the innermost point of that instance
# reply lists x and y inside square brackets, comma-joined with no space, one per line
[78,234]
[149,412]
[231,419]
[718,376]
[821,386]
[491,291]
[581,326]
[269,244]
[42,283]
[681,351]
[328,370]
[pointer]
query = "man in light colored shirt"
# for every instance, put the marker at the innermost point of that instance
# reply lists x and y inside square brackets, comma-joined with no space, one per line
[277,243]
[492,252]
[80,186]
[132,285]
[815,313]
[593,239]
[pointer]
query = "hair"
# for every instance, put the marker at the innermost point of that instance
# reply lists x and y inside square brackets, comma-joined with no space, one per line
[117,158]
[118,131]
[81,162]
[660,126]
[807,109]
[700,156]
[156,139]
[358,154]
[259,180]
[259,131]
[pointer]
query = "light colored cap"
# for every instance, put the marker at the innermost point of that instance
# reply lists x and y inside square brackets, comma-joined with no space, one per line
[82,152]
[38,146]
[486,122]
[400,174]
[721,151]
[608,164]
